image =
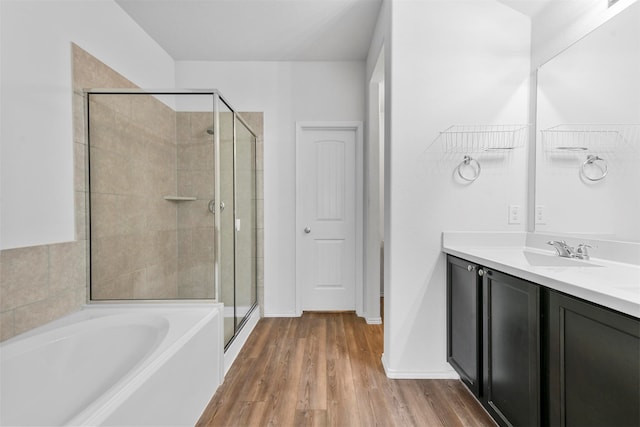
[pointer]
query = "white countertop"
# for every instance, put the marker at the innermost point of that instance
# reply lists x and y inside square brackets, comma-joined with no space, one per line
[606,282]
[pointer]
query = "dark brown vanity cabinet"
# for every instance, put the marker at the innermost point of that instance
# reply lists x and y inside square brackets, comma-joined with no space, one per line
[594,365]
[511,349]
[493,339]
[463,321]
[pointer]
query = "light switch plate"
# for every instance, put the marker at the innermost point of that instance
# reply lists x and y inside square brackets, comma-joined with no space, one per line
[515,214]
[540,219]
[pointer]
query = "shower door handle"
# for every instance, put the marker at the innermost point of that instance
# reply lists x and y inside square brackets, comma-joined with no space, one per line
[212,206]
[307,230]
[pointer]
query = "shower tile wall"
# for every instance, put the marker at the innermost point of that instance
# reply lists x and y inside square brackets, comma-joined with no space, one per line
[246,261]
[133,167]
[256,121]
[195,176]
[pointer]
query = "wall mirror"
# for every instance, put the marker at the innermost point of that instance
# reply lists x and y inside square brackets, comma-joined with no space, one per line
[588,135]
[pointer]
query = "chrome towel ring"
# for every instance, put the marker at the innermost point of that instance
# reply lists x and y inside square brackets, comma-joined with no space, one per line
[469,162]
[599,163]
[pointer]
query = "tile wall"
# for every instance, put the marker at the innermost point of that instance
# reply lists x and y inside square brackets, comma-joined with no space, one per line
[196,177]
[133,228]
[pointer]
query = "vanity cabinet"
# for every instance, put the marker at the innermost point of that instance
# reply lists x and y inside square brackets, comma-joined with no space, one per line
[535,356]
[463,321]
[594,364]
[511,349]
[493,339]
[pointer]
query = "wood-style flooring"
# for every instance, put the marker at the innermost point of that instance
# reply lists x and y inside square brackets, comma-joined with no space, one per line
[325,370]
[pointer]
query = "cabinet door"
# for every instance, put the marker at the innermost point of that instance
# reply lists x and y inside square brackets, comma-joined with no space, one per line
[594,365]
[511,349]
[463,321]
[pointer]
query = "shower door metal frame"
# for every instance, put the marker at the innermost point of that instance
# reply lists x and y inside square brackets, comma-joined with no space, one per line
[215,110]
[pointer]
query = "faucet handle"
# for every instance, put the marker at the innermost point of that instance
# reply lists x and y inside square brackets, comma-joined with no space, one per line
[582,251]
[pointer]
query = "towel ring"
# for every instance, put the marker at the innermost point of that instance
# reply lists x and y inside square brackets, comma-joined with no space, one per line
[591,160]
[469,161]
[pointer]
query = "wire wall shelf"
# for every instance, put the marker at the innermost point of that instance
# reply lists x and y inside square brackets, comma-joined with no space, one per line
[604,138]
[481,138]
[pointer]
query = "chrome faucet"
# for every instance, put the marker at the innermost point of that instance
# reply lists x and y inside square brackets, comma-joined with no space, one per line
[566,251]
[562,248]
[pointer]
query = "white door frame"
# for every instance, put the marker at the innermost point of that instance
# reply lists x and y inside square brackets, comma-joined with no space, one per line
[337,125]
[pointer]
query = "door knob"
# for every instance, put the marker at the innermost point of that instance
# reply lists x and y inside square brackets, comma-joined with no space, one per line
[307,230]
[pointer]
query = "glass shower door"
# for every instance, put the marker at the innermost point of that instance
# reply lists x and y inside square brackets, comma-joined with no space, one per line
[246,225]
[151,177]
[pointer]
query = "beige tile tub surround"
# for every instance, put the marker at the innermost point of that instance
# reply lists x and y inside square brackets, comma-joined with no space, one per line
[39,284]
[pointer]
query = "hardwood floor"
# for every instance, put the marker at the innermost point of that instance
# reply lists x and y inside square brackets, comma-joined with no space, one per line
[325,370]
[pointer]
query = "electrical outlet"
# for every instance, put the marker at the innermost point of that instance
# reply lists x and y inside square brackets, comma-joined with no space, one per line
[540,215]
[514,214]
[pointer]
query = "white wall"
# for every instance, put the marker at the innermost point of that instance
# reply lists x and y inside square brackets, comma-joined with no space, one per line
[380,49]
[377,67]
[36,155]
[451,63]
[286,92]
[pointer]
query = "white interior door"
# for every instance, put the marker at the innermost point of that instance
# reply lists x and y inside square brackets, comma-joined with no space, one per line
[326,218]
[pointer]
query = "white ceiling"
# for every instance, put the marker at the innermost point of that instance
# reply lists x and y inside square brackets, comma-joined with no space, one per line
[269,30]
[258,30]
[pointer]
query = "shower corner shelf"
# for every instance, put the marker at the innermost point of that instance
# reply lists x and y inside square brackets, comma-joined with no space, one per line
[180,199]
[480,138]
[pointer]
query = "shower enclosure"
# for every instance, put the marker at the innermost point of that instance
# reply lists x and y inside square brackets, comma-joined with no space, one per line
[172,200]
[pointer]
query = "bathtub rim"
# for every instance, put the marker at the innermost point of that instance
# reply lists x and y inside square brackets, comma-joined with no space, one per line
[60,321]
[102,407]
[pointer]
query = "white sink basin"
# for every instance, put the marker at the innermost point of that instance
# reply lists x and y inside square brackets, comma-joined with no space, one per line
[541,260]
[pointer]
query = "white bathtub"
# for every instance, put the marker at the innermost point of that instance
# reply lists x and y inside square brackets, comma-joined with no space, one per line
[142,365]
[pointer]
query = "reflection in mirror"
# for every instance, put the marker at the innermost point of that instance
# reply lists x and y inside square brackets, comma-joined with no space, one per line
[588,141]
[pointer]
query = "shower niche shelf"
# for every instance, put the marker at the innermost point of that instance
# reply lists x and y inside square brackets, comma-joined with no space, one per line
[576,138]
[483,138]
[180,199]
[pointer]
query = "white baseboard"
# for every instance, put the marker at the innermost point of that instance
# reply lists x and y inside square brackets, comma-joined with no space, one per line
[418,375]
[282,315]
[374,320]
[238,342]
